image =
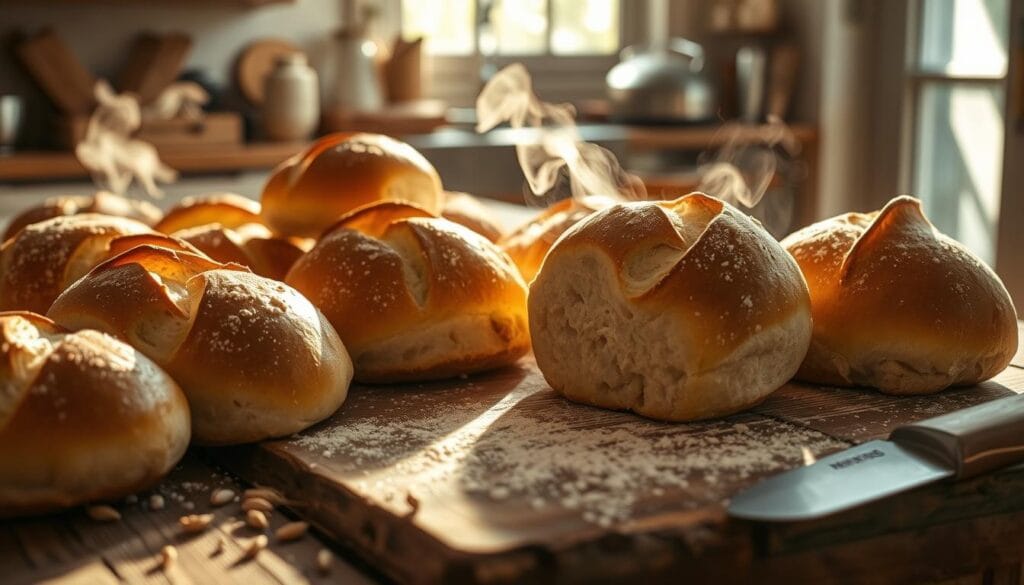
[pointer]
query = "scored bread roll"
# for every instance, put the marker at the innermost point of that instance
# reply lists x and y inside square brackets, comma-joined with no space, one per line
[228,228]
[254,357]
[415,297]
[83,417]
[466,210]
[226,209]
[102,202]
[898,305]
[307,193]
[676,310]
[44,258]
[529,243]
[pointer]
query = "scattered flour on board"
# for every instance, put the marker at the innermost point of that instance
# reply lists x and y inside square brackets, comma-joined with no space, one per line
[537,449]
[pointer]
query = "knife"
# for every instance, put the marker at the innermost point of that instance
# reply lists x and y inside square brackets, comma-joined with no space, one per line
[958,445]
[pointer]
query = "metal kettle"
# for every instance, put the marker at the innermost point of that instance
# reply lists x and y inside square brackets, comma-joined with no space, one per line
[661,83]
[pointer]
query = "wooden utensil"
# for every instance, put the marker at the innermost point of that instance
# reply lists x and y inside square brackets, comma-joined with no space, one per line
[154,62]
[63,78]
[255,63]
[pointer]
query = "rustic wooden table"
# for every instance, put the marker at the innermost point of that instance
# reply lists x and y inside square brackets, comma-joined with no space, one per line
[964,533]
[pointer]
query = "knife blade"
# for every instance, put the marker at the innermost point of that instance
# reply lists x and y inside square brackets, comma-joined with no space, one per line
[958,445]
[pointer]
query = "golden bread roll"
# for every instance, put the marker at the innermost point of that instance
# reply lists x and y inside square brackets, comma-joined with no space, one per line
[466,210]
[676,310]
[254,357]
[529,243]
[102,202]
[44,258]
[899,306]
[83,417]
[225,209]
[415,297]
[307,193]
[251,245]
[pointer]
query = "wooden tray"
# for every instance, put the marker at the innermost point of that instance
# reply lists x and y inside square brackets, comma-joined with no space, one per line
[496,479]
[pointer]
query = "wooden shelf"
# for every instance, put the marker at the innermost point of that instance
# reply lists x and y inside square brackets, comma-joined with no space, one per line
[48,165]
[701,137]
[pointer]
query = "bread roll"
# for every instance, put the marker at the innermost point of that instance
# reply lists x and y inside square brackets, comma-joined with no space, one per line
[676,310]
[529,243]
[254,357]
[467,211]
[102,202]
[899,306]
[226,209]
[44,258]
[340,172]
[415,297]
[83,417]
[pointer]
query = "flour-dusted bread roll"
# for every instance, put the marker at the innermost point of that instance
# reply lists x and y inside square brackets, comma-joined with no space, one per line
[899,306]
[44,258]
[228,228]
[529,243]
[307,193]
[415,297]
[83,417]
[466,210]
[102,202]
[254,357]
[676,310]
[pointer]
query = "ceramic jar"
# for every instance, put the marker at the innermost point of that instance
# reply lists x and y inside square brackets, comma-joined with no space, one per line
[291,107]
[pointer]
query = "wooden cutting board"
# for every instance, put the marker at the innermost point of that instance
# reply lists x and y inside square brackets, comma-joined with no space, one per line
[495,478]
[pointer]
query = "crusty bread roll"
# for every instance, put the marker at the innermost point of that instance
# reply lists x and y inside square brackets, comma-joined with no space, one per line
[415,297]
[102,202]
[529,243]
[44,258]
[225,209]
[676,310]
[307,193]
[466,210]
[899,306]
[228,228]
[254,357]
[83,417]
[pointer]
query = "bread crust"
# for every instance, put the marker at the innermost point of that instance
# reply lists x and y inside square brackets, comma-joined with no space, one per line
[344,171]
[676,310]
[83,417]
[254,357]
[44,258]
[102,202]
[900,306]
[226,209]
[529,243]
[415,297]
[466,210]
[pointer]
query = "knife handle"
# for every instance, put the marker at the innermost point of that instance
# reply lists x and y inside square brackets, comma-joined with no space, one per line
[971,441]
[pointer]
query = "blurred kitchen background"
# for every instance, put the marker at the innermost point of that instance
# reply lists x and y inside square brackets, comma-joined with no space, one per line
[826,106]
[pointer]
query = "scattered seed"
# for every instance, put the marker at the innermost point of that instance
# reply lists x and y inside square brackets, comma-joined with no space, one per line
[195,523]
[218,547]
[168,554]
[257,519]
[272,496]
[221,497]
[131,499]
[291,531]
[257,503]
[259,543]
[414,504]
[156,502]
[323,561]
[188,506]
[103,513]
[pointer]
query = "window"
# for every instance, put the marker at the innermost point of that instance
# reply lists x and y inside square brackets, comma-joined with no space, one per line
[515,28]
[957,86]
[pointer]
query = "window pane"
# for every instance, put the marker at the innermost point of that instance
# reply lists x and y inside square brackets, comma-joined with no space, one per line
[585,27]
[965,37]
[958,167]
[517,27]
[447,27]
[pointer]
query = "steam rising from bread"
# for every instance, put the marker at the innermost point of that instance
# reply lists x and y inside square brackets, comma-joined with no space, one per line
[741,172]
[508,97]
